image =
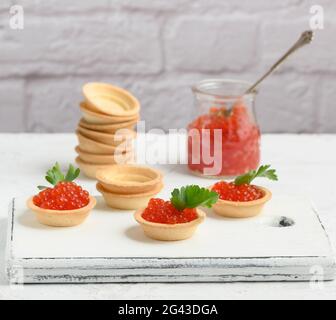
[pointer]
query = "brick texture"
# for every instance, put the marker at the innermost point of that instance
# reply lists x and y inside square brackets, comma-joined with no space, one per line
[158,49]
[53,104]
[286,103]
[210,45]
[12,112]
[81,45]
[325,107]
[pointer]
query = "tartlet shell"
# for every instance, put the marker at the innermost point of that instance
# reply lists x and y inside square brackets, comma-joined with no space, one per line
[90,169]
[240,210]
[108,138]
[167,232]
[102,159]
[91,146]
[56,218]
[128,201]
[111,179]
[125,103]
[93,117]
[109,128]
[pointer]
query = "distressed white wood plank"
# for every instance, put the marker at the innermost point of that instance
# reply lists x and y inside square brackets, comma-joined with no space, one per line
[111,247]
[113,233]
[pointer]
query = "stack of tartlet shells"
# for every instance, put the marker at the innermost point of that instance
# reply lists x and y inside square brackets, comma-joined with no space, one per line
[106,131]
[129,187]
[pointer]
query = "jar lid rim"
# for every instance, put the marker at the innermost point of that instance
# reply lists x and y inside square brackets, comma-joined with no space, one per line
[197,88]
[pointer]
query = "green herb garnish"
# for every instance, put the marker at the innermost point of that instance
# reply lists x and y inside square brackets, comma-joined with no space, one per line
[192,197]
[262,172]
[55,175]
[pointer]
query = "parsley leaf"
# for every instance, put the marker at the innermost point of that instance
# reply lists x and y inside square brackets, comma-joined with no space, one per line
[192,197]
[42,187]
[262,172]
[55,175]
[72,174]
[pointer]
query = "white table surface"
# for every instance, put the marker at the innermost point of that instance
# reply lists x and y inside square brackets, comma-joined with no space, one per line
[306,166]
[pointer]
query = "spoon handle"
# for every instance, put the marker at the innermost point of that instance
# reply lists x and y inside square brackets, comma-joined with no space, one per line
[306,38]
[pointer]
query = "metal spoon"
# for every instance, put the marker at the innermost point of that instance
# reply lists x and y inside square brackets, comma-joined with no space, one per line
[306,38]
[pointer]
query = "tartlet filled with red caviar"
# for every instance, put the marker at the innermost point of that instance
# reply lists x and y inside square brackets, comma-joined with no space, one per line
[178,218]
[241,199]
[66,204]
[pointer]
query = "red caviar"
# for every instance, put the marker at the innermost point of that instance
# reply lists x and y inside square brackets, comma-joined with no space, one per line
[243,193]
[160,211]
[240,141]
[65,196]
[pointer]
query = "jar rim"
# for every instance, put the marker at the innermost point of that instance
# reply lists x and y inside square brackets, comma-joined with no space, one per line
[198,88]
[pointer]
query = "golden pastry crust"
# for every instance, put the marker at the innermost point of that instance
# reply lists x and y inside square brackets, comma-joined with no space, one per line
[57,218]
[128,201]
[169,232]
[129,179]
[232,209]
[110,100]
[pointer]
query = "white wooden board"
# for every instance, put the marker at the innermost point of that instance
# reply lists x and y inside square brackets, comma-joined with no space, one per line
[110,247]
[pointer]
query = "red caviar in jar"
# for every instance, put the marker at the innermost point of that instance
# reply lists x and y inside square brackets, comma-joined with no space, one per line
[242,193]
[160,211]
[65,196]
[237,147]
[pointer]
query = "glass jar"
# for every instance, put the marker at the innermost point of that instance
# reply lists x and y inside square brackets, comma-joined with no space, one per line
[224,138]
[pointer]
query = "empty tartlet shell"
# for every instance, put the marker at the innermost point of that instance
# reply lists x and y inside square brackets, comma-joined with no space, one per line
[169,232]
[128,201]
[90,169]
[110,100]
[109,128]
[129,179]
[58,218]
[108,138]
[99,118]
[95,147]
[128,157]
[233,209]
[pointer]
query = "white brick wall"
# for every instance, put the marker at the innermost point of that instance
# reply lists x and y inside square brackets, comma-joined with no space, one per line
[158,49]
